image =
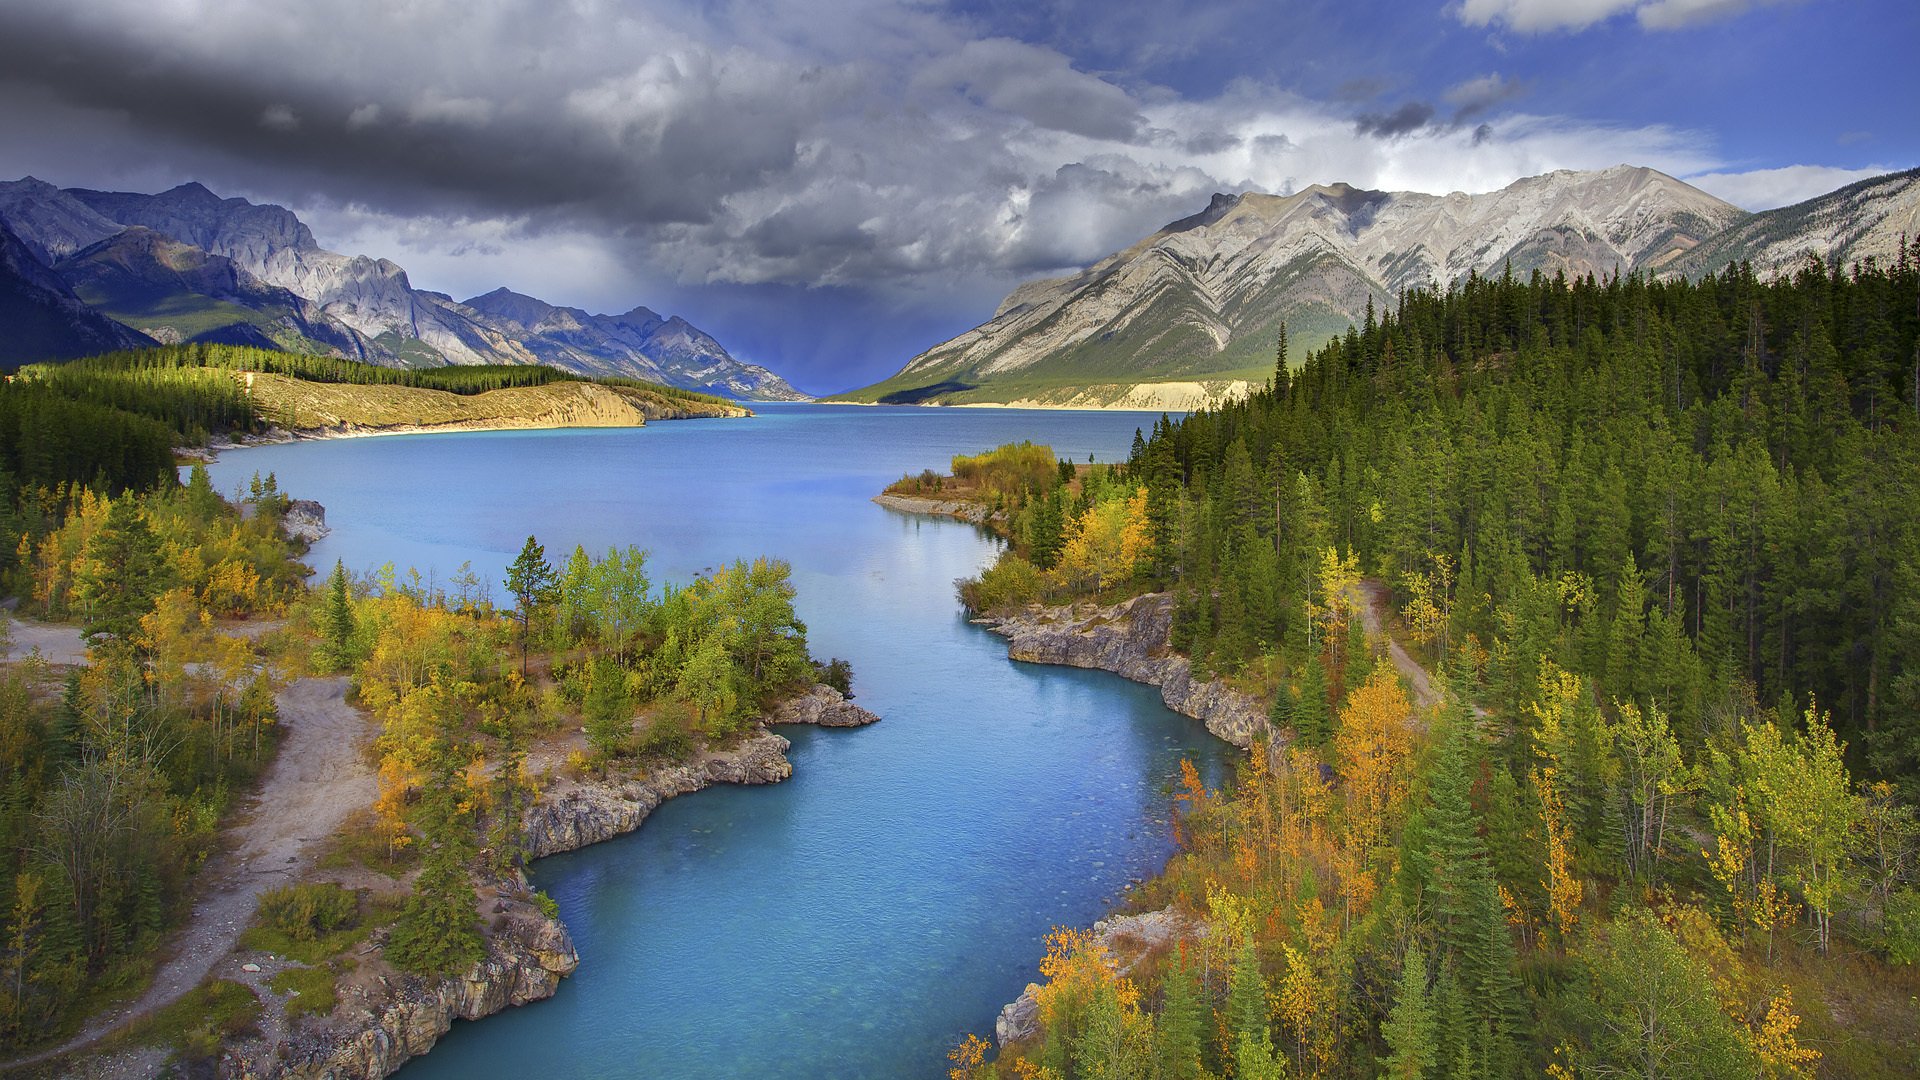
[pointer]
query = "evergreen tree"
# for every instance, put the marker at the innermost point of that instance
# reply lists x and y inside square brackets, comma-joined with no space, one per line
[1313,716]
[1409,1029]
[531,580]
[337,620]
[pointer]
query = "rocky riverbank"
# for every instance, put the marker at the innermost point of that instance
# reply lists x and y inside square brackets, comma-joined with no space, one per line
[1131,639]
[972,513]
[1127,939]
[387,1017]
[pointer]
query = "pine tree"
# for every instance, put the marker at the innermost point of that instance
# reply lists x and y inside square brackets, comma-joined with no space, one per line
[337,620]
[1313,716]
[1409,1029]
[1177,1044]
[530,579]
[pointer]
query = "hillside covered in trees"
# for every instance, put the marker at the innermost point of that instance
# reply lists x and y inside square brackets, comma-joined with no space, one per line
[1657,541]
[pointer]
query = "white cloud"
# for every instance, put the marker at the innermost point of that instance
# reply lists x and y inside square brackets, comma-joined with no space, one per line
[1765,189]
[1540,16]
[279,118]
[363,117]
[435,107]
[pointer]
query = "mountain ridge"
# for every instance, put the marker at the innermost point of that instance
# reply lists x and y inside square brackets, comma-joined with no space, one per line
[297,294]
[1203,297]
[1200,301]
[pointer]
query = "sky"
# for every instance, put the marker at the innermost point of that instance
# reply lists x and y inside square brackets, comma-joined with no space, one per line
[832,186]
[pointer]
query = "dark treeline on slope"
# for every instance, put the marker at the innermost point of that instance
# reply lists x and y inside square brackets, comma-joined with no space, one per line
[1659,541]
[1699,484]
[453,378]
[109,423]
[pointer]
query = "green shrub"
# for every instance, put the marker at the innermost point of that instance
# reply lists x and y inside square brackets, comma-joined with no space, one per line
[1903,927]
[311,989]
[306,912]
[667,738]
[1012,582]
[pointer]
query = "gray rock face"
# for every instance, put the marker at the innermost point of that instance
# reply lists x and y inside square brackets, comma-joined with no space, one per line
[305,520]
[575,814]
[527,955]
[822,706]
[1858,222]
[972,513]
[42,317]
[1130,639]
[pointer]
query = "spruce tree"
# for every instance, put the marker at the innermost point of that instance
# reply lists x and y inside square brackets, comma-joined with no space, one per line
[337,621]
[1409,1029]
[1313,716]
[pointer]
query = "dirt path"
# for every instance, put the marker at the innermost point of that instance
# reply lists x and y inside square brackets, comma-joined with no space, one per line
[57,644]
[319,776]
[1377,605]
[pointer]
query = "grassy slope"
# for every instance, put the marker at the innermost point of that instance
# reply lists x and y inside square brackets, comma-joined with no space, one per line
[301,405]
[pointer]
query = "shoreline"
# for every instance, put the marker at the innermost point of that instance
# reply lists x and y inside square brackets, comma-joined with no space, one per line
[1131,639]
[401,1016]
[972,513]
[279,436]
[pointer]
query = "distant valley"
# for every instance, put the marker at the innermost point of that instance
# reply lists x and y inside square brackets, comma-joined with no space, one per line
[85,271]
[1192,313]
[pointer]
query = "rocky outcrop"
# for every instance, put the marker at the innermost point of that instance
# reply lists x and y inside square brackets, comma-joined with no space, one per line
[972,513]
[822,706]
[1127,939]
[1131,639]
[527,955]
[574,814]
[305,520]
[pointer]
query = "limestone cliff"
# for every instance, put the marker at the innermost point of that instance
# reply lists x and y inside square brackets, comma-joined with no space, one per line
[1131,639]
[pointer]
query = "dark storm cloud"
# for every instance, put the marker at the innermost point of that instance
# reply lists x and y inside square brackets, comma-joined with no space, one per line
[421,149]
[1406,119]
[1476,96]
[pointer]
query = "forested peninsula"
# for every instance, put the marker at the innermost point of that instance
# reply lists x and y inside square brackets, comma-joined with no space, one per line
[1637,787]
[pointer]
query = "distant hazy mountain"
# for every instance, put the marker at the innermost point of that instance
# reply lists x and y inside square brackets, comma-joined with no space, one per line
[40,317]
[1194,310]
[669,350]
[266,281]
[1859,221]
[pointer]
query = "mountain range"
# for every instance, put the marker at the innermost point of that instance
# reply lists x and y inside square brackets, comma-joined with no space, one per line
[1192,313]
[188,265]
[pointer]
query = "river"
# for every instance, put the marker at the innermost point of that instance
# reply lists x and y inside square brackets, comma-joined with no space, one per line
[860,918]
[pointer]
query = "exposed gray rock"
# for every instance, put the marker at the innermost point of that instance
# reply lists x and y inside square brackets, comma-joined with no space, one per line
[574,814]
[970,512]
[305,520]
[1131,639]
[1206,295]
[822,706]
[527,955]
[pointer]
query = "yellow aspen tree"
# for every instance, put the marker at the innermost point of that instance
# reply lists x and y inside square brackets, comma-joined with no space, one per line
[1563,888]
[1776,1043]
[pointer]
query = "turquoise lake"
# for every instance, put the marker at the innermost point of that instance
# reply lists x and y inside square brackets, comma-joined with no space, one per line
[859,919]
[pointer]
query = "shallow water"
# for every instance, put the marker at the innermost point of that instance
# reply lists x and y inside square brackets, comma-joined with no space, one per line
[860,918]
